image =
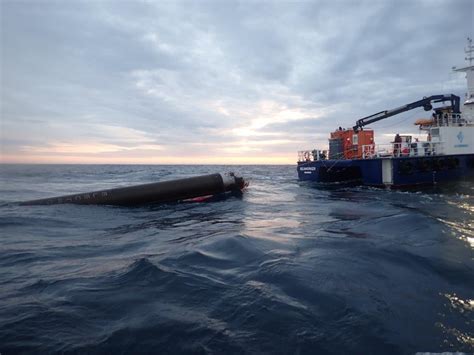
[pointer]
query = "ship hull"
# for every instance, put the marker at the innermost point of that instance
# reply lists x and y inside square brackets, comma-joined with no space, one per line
[389,172]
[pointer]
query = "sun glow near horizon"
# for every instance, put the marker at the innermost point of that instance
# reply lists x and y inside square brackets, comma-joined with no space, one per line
[242,151]
[168,160]
[242,143]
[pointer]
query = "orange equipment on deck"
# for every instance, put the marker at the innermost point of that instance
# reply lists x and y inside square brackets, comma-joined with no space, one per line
[424,122]
[347,144]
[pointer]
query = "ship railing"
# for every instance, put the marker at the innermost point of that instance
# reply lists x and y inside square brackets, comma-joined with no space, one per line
[448,119]
[395,150]
[312,155]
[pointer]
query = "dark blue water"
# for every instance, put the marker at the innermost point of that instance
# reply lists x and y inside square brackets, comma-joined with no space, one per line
[287,268]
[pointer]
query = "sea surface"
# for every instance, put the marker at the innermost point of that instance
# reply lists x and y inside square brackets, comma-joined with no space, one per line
[287,268]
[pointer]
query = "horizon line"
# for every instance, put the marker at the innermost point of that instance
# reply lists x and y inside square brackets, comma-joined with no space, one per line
[162,164]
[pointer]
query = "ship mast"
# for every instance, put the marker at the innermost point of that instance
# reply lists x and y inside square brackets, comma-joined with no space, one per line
[468,109]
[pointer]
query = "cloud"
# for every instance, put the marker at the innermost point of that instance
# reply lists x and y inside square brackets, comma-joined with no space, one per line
[214,82]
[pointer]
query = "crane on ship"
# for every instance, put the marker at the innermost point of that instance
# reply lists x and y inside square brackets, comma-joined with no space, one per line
[426,103]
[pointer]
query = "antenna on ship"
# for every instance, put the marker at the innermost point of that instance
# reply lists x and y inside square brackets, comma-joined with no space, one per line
[468,107]
[469,50]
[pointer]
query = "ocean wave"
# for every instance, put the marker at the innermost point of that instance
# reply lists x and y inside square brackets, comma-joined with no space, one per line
[288,267]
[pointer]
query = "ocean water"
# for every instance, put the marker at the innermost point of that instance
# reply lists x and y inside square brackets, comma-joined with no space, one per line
[287,268]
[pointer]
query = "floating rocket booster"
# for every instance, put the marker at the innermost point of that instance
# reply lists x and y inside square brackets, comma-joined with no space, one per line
[158,192]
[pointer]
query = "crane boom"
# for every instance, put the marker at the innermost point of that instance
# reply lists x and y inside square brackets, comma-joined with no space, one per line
[424,102]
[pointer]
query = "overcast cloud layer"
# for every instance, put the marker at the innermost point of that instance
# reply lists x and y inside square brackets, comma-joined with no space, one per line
[216,82]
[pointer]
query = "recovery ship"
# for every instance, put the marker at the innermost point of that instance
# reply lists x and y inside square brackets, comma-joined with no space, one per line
[446,153]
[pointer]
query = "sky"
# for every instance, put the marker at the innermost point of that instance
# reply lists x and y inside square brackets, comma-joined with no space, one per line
[216,82]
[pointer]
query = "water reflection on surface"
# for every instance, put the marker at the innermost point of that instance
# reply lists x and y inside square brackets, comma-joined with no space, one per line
[465,308]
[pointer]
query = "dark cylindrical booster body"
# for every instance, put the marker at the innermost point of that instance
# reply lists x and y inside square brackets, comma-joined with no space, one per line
[165,191]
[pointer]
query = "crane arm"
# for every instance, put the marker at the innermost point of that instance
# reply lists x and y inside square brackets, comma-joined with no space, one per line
[425,102]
